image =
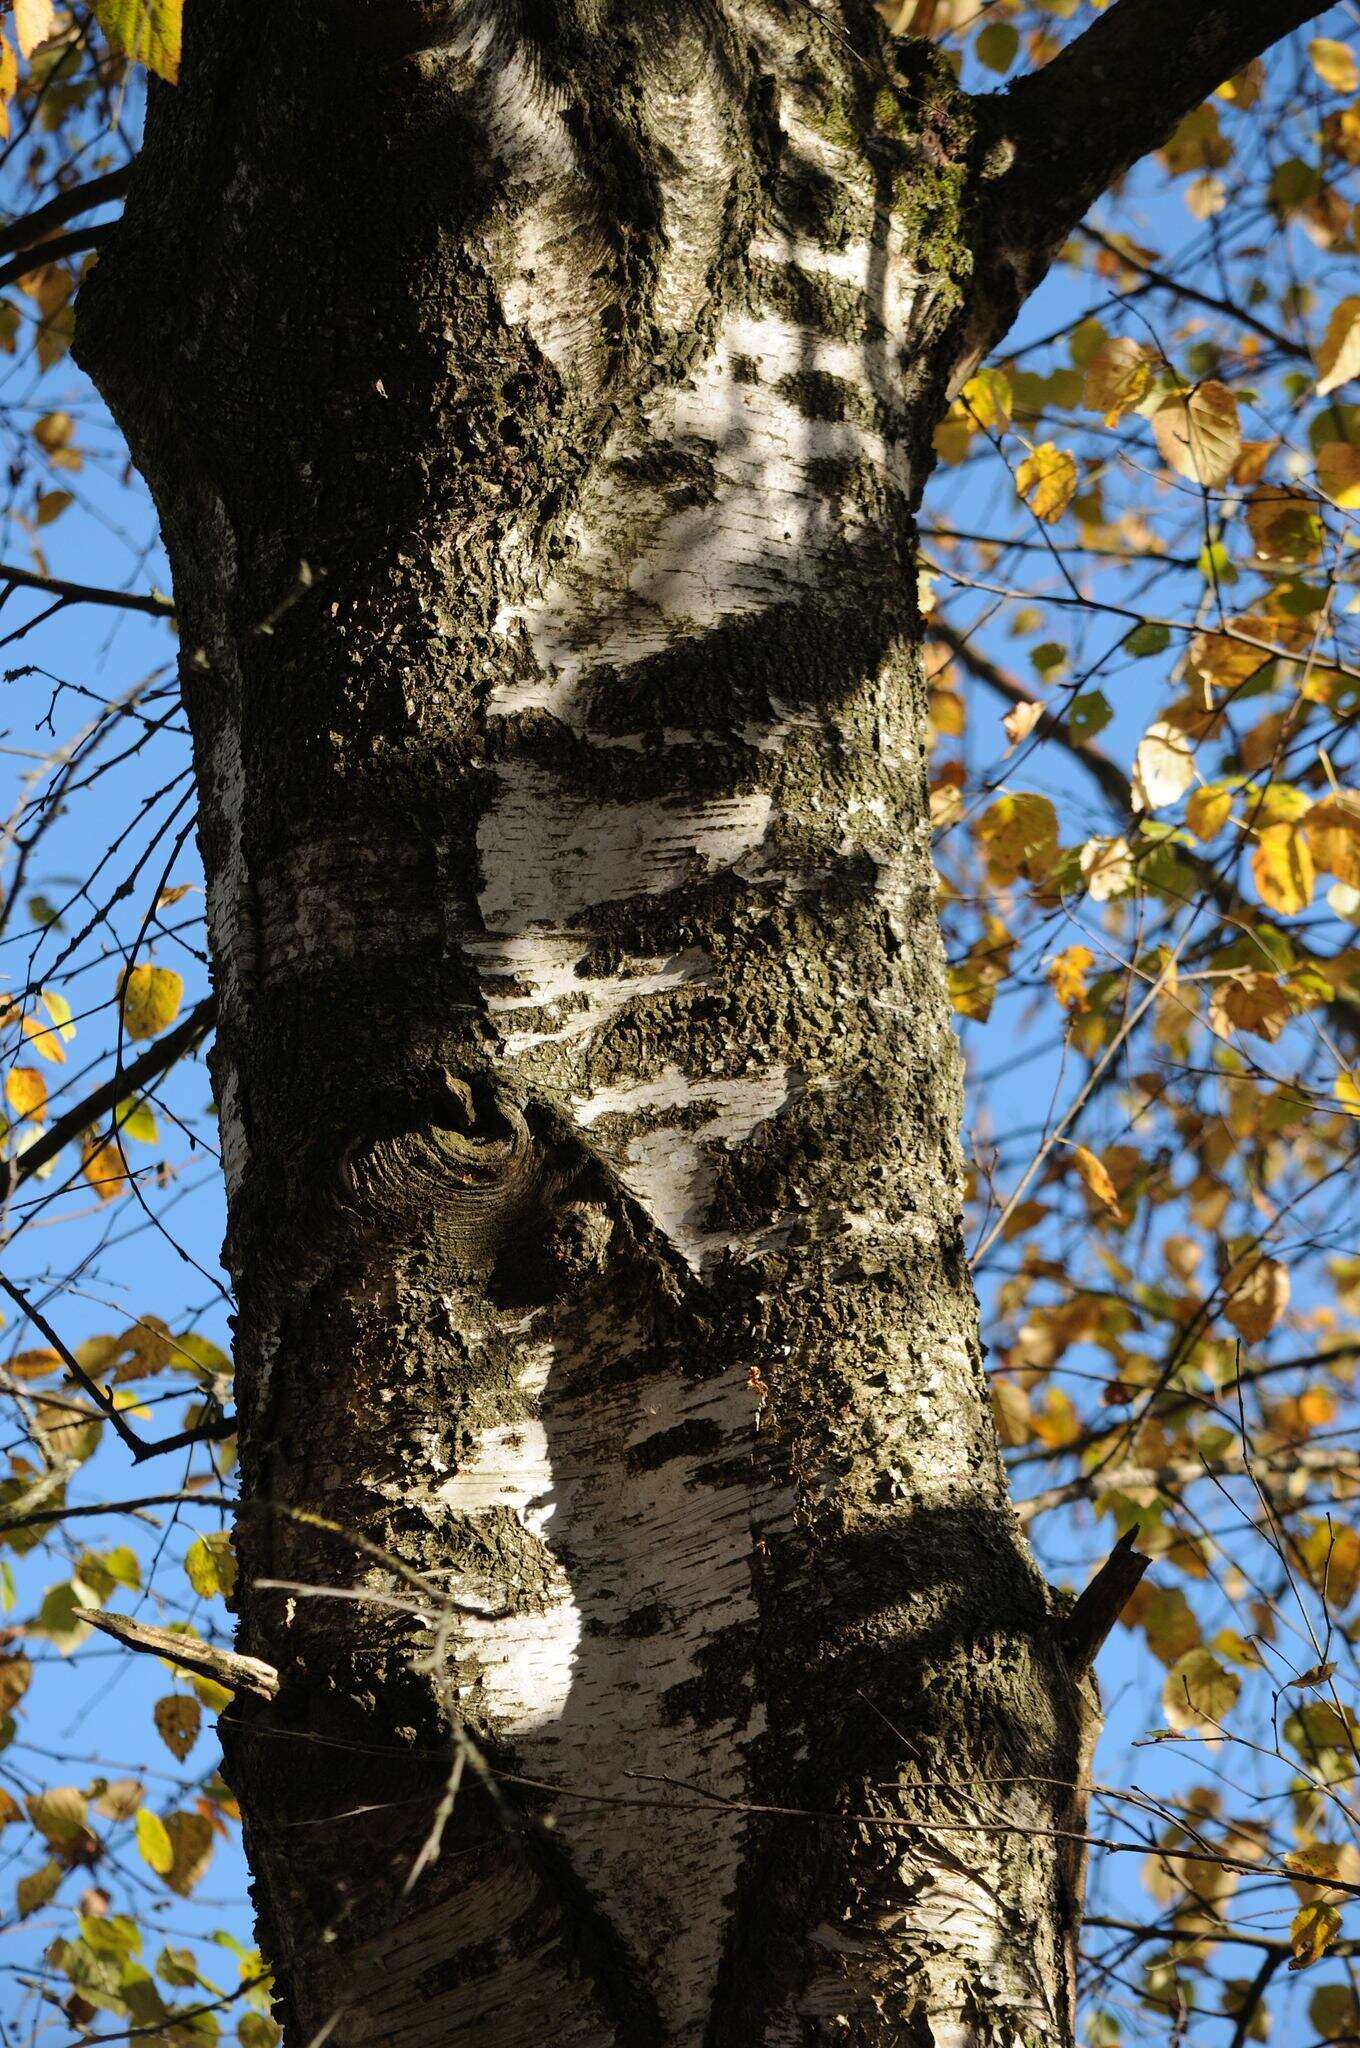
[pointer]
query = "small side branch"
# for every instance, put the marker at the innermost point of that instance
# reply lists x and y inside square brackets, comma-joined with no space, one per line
[214,1431]
[103,1101]
[225,1667]
[1101,1604]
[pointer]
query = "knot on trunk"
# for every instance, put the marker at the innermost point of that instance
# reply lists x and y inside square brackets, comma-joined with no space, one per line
[469,1171]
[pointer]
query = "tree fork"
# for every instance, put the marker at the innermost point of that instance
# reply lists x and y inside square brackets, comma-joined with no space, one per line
[536,404]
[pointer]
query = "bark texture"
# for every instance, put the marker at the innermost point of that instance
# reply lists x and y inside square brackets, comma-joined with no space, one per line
[536,399]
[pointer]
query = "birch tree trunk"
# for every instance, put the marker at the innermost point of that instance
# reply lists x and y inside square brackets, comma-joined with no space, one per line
[536,401]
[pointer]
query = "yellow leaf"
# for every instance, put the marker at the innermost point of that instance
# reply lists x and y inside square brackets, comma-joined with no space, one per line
[210,1564]
[1010,1409]
[1118,377]
[1333,829]
[151,997]
[9,83]
[178,1718]
[1047,480]
[1163,767]
[34,21]
[1257,1296]
[1338,473]
[1311,1933]
[1333,1556]
[147,30]
[1338,358]
[26,1092]
[1282,868]
[1207,812]
[1334,64]
[1067,972]
[1020,834]
[988,398]
[1200,437]
[1199,1691]
[102,1165]
[1096,1176]
[153,1841]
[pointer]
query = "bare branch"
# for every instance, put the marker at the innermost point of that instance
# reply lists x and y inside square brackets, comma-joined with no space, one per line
[205,1432]
[103,1101]
[85,593]
[225,1667]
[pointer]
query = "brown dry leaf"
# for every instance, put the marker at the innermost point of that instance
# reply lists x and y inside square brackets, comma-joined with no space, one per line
[1257,1296]
[178,1719]
[1338,473]
[1118,376]
[1200,437]
[1333,829]
[34,21]
[1020,722]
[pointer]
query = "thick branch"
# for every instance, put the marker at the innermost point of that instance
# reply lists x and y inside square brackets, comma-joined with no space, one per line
[73,244]
[30,227]
[1077,125]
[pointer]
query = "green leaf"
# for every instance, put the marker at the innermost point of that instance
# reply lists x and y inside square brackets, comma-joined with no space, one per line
[147,30]
[1088,714]
[998,45]
[1149,638]
[37,1888]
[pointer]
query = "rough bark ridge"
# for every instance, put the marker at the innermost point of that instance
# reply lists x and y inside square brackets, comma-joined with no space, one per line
[536,400]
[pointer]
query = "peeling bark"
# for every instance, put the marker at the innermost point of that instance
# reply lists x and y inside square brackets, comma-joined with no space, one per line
[536,405]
